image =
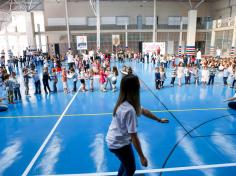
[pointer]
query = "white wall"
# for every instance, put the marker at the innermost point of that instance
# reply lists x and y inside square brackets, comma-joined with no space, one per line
[119,8]
[220,8]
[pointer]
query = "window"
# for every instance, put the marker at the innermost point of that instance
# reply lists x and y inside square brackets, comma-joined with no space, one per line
[108,20]
[56,21]
[92,21]
[139,22]
[185,20]
[174,21]
[149,21]
[78,21]
[122,20]
[39,19]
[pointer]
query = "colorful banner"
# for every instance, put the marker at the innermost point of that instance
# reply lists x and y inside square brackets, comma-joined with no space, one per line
[190,50]
[212,50]
[115,40]
[180,50]
[154,47]
[81,42]
[232,52]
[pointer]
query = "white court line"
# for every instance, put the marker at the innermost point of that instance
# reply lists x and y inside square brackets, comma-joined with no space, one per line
[173,169]
[27,170]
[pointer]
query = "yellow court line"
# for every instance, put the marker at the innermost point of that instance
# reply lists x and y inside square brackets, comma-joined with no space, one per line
[102,114]
[98,114]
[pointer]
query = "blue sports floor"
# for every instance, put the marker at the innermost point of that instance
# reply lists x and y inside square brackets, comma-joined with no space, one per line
[59,134]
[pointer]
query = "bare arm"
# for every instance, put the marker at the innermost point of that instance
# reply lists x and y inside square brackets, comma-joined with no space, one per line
[1,99]
[231,99]
[137,145]
[150,115]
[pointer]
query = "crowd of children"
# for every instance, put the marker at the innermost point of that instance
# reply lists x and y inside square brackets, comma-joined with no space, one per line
[84,69]
[77,69]
[204,73]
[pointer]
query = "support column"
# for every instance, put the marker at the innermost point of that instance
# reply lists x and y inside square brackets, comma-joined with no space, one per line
[39,34]
[222,43]
[213,37]
[232,52]
[180,37]
[17,46]
[191,33]
[98,25]
[30,32]
[67,24]
[7,44]
[126,36]
[154,36]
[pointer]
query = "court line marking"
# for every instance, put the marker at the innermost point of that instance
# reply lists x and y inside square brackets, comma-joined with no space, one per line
[173,169]
[40,150]
[108,113]
[164,105]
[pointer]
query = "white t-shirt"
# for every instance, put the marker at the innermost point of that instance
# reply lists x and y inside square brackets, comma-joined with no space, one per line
[122,125]
[199,55]
[218,52]
[234,95]
[70,58]
[91,53]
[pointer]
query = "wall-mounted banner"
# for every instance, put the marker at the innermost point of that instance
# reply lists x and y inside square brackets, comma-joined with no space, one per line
[115,40]
[81,42]
[226,22]
[156,47]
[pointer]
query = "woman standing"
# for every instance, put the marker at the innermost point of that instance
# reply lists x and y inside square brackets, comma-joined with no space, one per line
[123,128]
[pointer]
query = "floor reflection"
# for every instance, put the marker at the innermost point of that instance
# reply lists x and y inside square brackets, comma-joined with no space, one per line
[9,155]
[98,153]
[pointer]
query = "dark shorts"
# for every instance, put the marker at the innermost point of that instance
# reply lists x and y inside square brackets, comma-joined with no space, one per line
[3,107]
[232,105]
[82,81]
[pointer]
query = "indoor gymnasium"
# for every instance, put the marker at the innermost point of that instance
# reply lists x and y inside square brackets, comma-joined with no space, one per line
[117,87]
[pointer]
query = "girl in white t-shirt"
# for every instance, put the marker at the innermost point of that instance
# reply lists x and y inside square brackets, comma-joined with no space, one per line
[180,73]
[91,79]
[71,61]
[205,74]
[123,128]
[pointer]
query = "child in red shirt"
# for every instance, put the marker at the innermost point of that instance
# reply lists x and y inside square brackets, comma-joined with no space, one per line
[102,79]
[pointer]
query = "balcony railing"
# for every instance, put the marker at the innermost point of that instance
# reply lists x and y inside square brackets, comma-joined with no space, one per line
[122,27]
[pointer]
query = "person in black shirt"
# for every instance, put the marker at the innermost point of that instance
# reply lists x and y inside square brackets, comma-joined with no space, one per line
[157,78]
[46,78]
[21,61]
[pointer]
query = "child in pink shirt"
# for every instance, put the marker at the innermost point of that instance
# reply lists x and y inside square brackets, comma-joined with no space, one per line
[102,79]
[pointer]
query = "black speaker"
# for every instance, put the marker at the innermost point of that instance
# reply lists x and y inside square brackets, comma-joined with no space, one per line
[57,49]
[140,46]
